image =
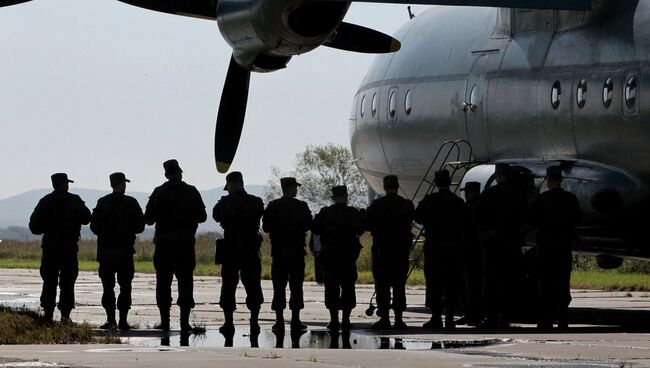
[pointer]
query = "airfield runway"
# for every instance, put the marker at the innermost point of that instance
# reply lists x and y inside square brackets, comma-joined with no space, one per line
[610,330]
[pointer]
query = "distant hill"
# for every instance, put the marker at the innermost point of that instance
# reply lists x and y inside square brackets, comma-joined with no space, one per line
[15,211]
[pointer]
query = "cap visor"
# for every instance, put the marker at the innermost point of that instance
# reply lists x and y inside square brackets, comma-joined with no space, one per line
[70,181]
[225,187]
[127,180]
[298,184]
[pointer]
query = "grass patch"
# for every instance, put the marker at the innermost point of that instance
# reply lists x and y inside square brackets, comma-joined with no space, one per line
[19,326]
[610,281]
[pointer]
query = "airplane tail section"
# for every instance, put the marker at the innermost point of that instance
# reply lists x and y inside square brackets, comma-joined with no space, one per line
[526,4]
[205,9]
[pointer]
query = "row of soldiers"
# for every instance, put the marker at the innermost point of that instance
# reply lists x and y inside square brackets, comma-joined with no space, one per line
[491,222]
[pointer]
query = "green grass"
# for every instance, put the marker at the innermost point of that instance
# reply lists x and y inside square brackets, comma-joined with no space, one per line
[18,326]
[633,275]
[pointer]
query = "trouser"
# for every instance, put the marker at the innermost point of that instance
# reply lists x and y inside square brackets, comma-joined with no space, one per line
[473,281]
[288,270]
[554,272]
[390,273]
[249,268]
[340,291]
[58,270]
[124,270]
[501,261]
[441,271]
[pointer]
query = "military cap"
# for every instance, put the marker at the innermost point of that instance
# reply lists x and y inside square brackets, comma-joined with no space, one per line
[289,182]
[472,186]
[554,173]
[442,178]
[391,182]
[339,190]
[502,169]
[117,178]
[233,177]
[60,178]
[171,166]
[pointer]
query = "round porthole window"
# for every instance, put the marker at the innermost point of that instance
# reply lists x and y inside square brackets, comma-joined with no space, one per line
[408,103]
[630,92]
[392,104]
[581,93]
[608,92]
[556,92]
[363,105]
[373,105]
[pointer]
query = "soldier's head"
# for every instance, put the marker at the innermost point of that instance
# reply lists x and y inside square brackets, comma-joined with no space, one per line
[554,177]
[173,170]
[391,184]
[289,187]
[234,182]
[340,194]
[442,179]
[118,182]
[60,182]
[501,173]
[472,191]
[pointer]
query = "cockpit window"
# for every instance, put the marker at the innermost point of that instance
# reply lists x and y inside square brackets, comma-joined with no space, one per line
[373,106]
[556,92]
[630,92]
[608,92]
[408,103]
[581,93]
[392,104]
[363,105]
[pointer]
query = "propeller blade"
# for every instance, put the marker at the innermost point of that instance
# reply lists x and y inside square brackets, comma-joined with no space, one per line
[525,4]
[11,2]
[351,37]
[230,120]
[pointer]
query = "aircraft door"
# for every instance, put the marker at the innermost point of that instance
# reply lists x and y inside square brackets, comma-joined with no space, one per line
[474,107]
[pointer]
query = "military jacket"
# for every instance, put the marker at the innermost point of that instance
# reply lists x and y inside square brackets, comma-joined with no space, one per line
[239,215]
[58,217]
[443,215]
[556,213]
[390,221]
[115,221]
[287,220]
[339,227]
[502,210]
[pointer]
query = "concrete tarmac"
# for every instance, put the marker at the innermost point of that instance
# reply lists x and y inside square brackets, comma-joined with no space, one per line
[608,330]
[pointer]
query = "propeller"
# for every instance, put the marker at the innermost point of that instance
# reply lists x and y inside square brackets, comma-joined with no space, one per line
[351,37]
[4,3]
[230,119]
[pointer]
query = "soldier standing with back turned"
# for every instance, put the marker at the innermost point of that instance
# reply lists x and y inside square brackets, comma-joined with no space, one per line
[390,220]
[287,220]
[556,213]
[239,214]
[176,208]
[116,220]
[58,217]
[339,227]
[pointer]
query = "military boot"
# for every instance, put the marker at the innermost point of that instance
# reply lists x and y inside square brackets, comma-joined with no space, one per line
[383,323]
[296,323]
[185,320]
[345,320]
[65,316]
[110,320]
[228,326]
[334,323]
[279,321]
[123,324]
[164,319]
[399,321]
[48,314]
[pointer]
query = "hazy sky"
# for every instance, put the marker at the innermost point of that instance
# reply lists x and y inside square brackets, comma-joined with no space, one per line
[92,87]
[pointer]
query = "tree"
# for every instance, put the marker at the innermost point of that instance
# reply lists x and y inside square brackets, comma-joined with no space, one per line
[318,169]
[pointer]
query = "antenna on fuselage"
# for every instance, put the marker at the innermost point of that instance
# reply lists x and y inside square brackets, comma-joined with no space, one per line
[411,15]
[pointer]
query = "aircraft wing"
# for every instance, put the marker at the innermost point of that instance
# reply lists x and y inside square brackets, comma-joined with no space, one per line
[11,2]
[526,4]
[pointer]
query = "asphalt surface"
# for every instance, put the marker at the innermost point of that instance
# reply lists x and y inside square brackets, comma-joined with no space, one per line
[608,330]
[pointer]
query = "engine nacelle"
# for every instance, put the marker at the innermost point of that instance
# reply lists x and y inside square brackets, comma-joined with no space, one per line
[265,35]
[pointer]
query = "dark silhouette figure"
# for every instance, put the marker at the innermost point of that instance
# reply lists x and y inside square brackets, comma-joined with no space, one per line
[443,215]
[472,259]
[176,208]
[556,213]
[390,221]
[58,217]
[339,227]
[287,220]
[501,213]
[239,214]
[315,247]
[116,220]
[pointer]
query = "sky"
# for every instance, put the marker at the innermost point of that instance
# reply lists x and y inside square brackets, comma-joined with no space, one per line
[93,87]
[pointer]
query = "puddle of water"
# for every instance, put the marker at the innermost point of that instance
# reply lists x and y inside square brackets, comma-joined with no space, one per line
[313,339]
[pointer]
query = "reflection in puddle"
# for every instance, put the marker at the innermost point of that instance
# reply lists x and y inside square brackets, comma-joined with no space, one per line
[314,339]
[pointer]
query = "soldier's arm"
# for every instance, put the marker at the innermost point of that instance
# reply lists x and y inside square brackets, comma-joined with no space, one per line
[267,220]
[577,211]
[96,218]
[259,209]
[137,217]
[150,213]
[218,210]
[36,220]
[421,211]
[306,217]
[84,212]
[201,214]
[317,226]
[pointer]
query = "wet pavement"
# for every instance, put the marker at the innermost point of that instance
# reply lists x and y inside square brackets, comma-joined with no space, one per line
[608,330]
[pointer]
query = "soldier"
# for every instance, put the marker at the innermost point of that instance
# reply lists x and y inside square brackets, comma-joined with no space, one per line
[339,227]
[287,220]
[58,217]
[176,208]
[239,214]
[555,213]
[472,259]
[390,220]
[116,220]
[443,215]
[501,213]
